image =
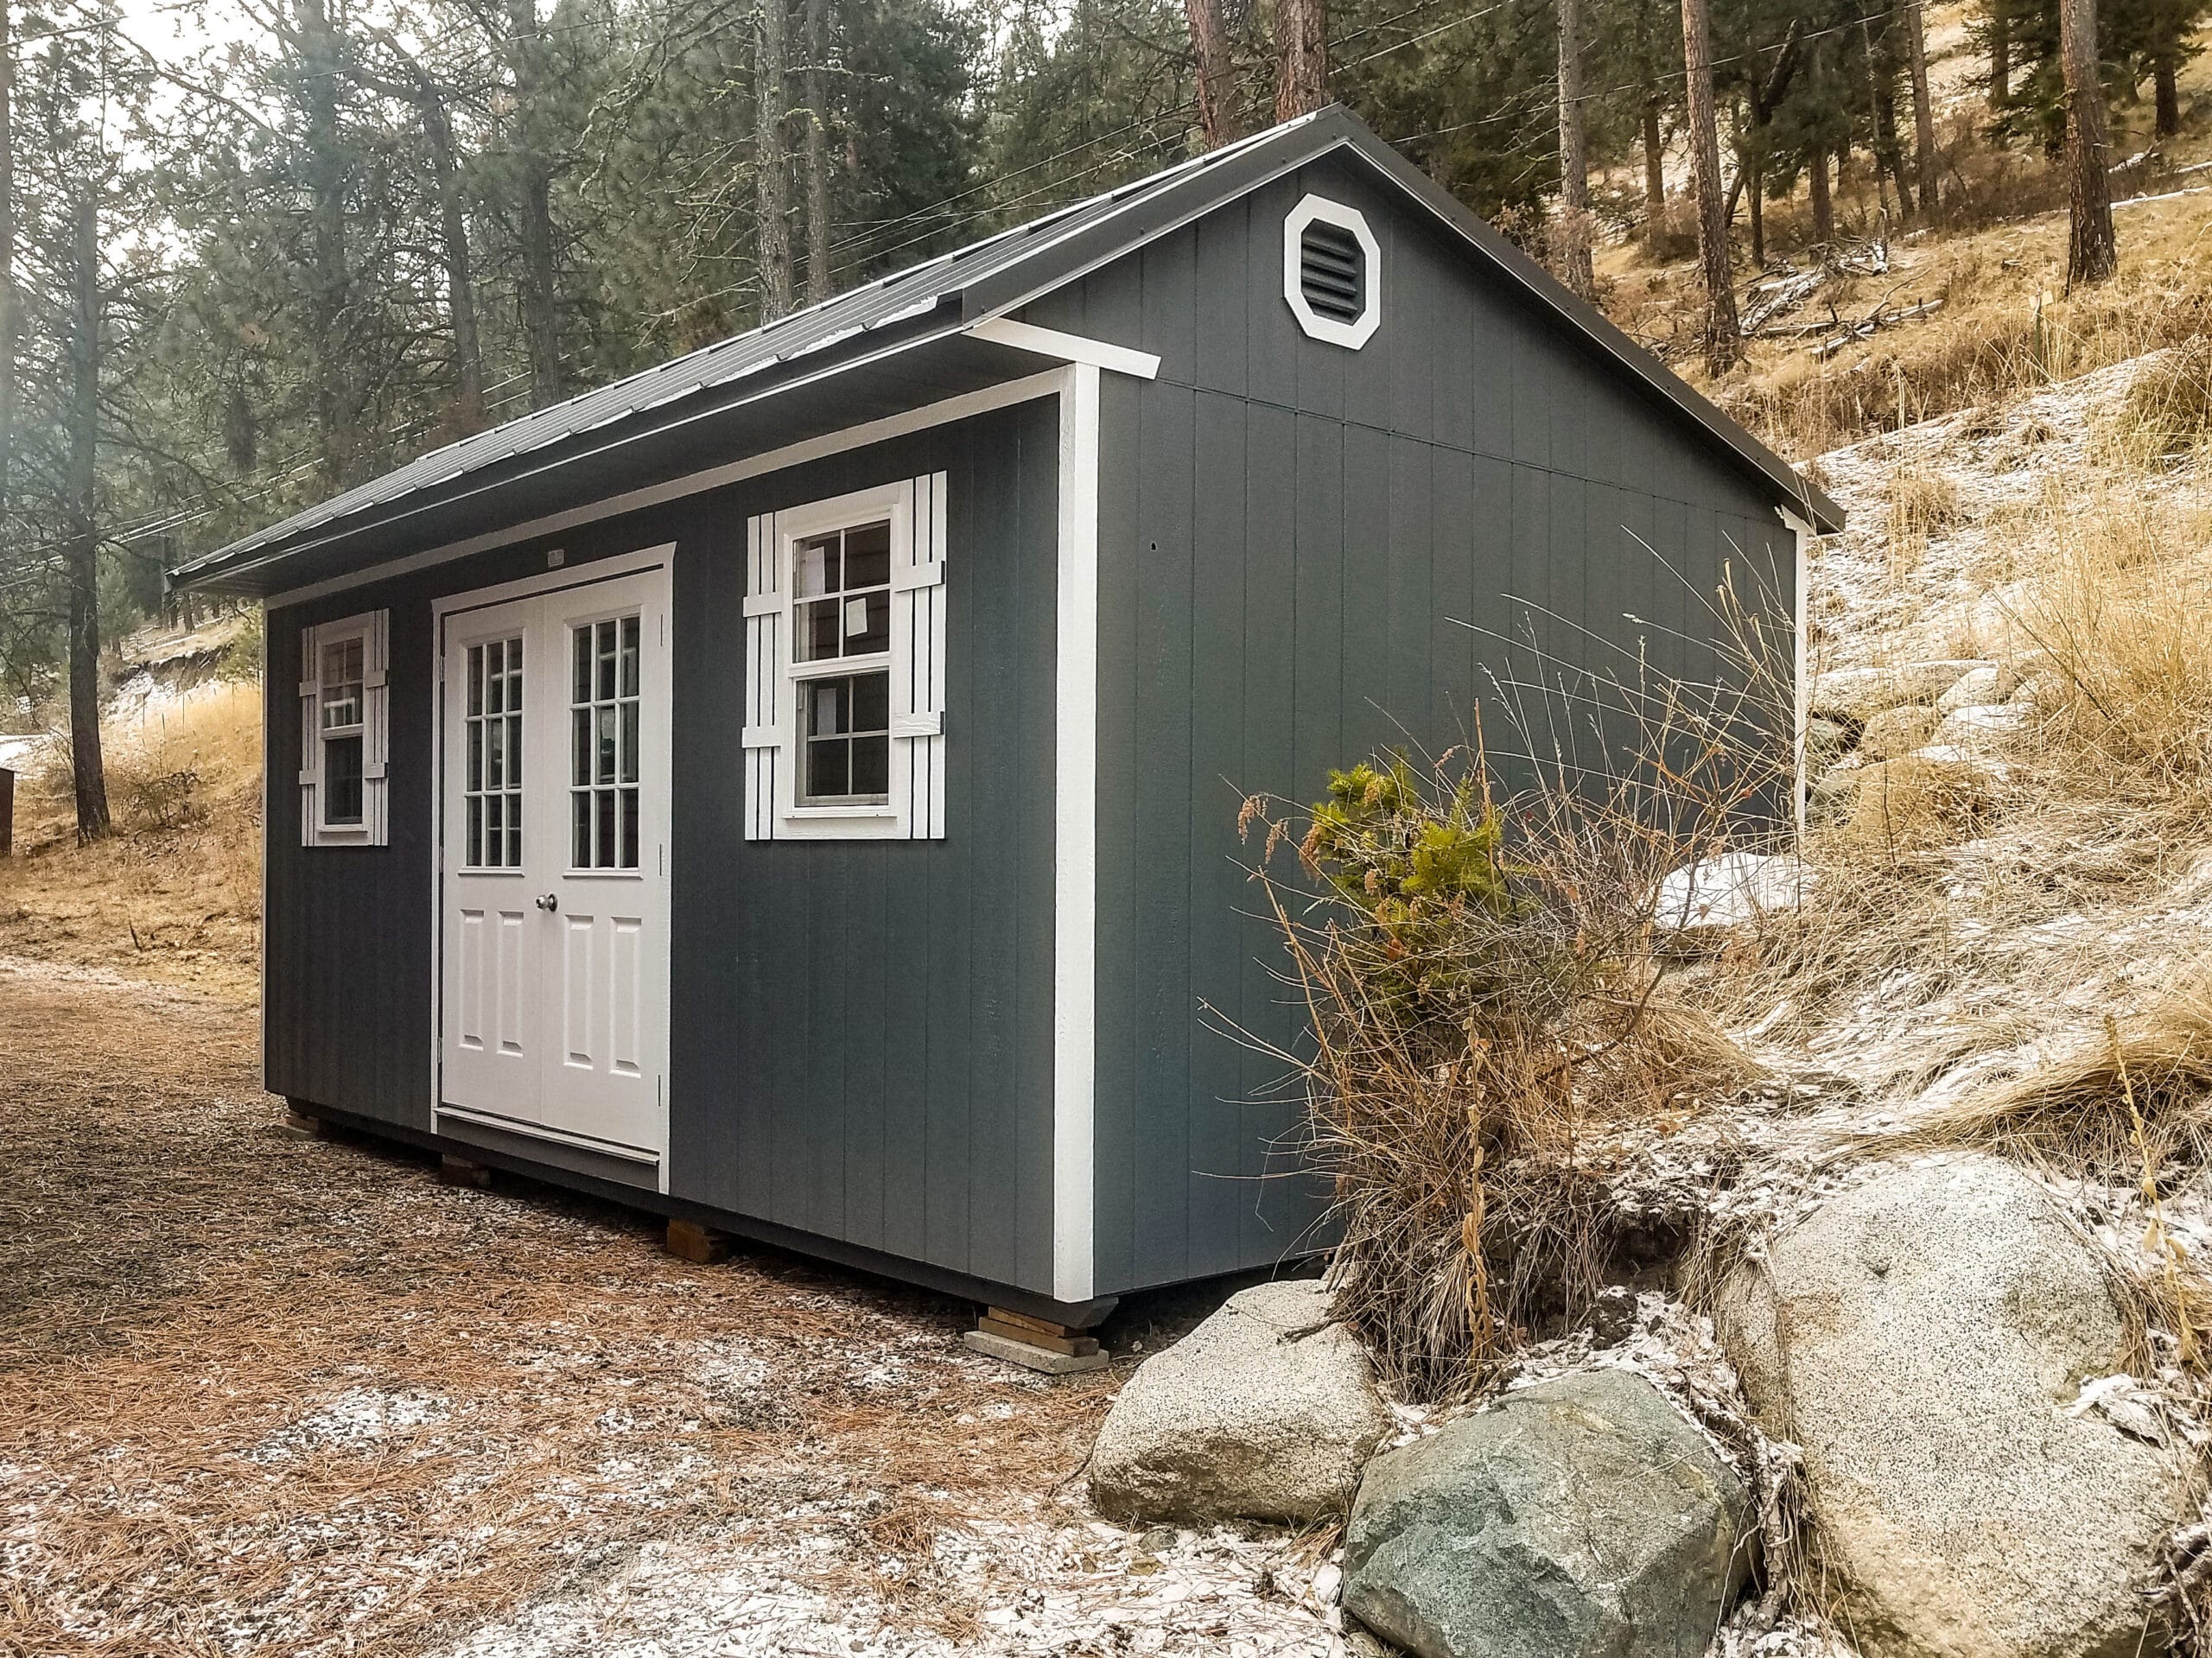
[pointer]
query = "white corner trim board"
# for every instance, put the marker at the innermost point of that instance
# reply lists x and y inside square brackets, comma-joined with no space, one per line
[1068,348]
[1075,864]
[1320,210]
[1806,536]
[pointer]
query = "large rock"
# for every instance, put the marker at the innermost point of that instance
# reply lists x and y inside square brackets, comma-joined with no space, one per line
[1924,1337]
[1857,694]
[1583,1517]
[1267,1410]
[1983,686]
[1897,731]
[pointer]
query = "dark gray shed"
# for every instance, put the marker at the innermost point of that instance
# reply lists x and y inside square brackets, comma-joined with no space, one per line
[794,789]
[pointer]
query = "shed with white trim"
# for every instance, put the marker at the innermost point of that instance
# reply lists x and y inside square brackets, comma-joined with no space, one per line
[794,789]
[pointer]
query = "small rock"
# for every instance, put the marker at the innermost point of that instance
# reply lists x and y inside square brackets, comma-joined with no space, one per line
[1826,741]
[1267,1410]
[1924,1338]
[1613,1318]
[1584,1517]
[1979,687]
[1857,694]
[1897,731]
[1158,1540]
[1977,728]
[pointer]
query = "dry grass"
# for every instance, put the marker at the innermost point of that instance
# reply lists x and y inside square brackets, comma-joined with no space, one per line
[175,896]
[185,1294]
[1923,500]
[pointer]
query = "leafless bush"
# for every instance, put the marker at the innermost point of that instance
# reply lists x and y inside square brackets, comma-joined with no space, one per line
[1488,967]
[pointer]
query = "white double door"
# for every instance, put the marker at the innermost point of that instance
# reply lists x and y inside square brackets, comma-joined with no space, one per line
[553,820]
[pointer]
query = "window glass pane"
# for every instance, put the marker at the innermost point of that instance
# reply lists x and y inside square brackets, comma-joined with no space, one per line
[604,846]
[582,691]
[868,623]
[580,745]
[495,743]
[606,743]
[826,768]
[629,742]
[341,775]
[815,567]
[514,832]
[475,683]
[580,849]
[475,831]
[818,623]
[495,818]
[867,556]
[871,703]
[826,705]
[476,758]
[629,656]
[872,765]
[629,829]
[514,751]
[607,660]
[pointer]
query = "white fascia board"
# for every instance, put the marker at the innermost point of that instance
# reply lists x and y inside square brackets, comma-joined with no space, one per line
[1026,389]
[1067,347]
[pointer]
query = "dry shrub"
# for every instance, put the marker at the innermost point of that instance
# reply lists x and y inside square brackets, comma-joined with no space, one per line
[1911,803]
[1923,500]
[1496,1033]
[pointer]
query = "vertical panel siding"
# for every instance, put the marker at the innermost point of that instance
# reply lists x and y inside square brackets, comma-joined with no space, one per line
[860,1032]
[1294,540]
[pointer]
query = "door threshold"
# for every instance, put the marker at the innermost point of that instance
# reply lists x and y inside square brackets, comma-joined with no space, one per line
[543,1131]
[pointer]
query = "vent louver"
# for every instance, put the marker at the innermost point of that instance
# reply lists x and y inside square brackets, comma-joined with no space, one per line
[1333,271]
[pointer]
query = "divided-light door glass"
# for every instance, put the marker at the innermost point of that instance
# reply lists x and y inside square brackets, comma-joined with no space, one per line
[603,763]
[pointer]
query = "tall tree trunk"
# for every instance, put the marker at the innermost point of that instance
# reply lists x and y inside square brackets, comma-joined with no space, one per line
[80,555]
[541,292]
[1302,42]
[1823,208]
[2000,53]
[1215,71]
[1723,340]
[460,282]
[1923,112]
[7,271]
[2091,253]
[1574,230]
[2165,66]
[1654,172]
[771,165]
[327,169]
[1889,153]
[819,283]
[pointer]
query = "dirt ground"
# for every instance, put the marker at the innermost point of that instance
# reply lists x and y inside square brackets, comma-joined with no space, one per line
[264,1396]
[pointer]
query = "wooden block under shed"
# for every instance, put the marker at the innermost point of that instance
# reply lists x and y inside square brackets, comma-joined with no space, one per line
[702,1245]
[301,1126]
[460,1172]
[1023,1321]
[1074,1347]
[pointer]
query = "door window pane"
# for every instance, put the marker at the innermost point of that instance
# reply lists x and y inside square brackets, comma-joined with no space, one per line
[493,788]
[603,742]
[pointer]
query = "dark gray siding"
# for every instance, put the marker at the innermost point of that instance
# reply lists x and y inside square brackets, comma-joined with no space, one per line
[861,1032]
[1292,536]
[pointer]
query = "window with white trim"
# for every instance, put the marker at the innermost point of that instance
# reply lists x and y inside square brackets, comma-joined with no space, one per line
[344,732]
[845,627]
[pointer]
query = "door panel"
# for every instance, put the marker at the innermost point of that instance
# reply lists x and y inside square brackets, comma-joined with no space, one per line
[554,819]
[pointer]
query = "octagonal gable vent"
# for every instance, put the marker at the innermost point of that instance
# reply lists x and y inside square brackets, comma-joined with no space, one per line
[1332,271]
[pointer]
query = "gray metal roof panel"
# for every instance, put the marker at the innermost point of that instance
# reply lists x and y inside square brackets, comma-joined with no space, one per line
[997,274]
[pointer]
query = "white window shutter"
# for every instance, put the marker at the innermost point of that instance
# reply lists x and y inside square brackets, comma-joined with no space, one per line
[310,734]
[766,689]
[917,665]
[376,731]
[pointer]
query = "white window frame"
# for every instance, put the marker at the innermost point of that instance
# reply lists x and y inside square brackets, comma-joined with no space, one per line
[774,734]
[1319,209]
[373,629]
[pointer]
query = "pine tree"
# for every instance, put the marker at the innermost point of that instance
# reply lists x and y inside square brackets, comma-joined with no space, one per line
[1723,341]
[2091,254]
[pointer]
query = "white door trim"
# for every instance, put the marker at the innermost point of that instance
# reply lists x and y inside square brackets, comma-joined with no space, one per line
[553,581]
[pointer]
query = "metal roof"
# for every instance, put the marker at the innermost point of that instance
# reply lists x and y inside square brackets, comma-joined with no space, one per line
[988,278]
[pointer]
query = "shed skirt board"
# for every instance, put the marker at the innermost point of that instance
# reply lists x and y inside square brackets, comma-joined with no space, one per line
[552,815]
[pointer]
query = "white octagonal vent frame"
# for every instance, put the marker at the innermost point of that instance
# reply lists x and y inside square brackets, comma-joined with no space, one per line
[1350,335]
